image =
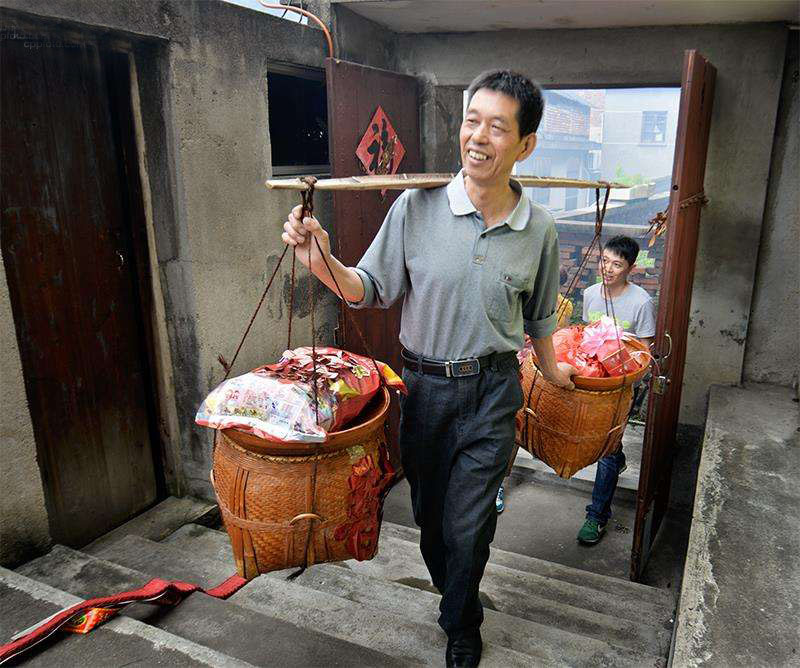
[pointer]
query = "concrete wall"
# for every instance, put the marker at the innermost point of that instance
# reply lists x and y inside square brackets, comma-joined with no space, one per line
[362,41]
[201,69]
[772,352]
[23,516]
[742,130]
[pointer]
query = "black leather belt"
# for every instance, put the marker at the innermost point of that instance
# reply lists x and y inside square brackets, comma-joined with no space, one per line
[471,366]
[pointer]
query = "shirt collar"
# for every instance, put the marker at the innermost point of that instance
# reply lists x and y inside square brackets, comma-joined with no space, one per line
[461,204]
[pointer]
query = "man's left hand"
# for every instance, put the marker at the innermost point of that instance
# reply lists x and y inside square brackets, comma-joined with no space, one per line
[563,377]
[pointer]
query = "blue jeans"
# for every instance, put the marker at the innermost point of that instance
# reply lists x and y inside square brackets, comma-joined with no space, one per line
[605,482]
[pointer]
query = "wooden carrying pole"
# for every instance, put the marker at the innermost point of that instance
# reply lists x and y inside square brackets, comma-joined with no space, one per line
[406,181]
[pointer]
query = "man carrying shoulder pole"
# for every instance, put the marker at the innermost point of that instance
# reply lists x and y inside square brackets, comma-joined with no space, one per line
[477,265]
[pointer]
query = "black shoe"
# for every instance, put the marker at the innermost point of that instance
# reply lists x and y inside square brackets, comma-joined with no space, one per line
[464,651]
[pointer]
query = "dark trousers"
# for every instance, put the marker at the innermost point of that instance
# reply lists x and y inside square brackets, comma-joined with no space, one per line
[456,436]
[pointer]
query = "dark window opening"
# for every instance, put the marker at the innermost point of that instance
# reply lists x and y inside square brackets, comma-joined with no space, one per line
[654,127]
[298,120]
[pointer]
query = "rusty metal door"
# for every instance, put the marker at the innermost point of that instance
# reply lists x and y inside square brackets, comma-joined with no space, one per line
[68,247]
[691,145]
[373,126]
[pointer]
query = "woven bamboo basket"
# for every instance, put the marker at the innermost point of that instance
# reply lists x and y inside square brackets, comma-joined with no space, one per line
[572,429]
[280,512]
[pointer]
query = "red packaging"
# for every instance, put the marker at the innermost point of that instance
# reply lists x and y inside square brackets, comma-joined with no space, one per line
[616,360]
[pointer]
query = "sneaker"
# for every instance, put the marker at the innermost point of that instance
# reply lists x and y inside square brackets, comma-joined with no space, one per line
[500,501]
[591,532]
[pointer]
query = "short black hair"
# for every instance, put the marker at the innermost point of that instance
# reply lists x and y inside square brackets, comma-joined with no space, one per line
[516,86]
[625,247]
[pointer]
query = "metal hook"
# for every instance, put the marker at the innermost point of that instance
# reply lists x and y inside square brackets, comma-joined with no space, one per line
[669,349]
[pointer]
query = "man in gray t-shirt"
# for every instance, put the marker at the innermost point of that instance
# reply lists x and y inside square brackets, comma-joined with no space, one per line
[633,308]
[476,265]
[634,311]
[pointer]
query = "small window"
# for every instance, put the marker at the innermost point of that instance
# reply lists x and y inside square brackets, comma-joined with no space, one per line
[298,120]
[654,127]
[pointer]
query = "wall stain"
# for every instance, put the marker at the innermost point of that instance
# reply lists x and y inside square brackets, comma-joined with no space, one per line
[737,337]
[302,294]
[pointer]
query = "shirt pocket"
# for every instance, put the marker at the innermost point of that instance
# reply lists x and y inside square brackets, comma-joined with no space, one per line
[503,295]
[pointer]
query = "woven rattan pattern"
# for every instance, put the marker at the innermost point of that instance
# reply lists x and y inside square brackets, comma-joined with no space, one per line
[569,429]
[261,494]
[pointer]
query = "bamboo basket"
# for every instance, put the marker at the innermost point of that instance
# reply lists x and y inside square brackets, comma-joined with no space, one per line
[280,511]
[572,429]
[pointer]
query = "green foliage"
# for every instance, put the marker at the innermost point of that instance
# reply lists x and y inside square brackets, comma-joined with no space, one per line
[621,177]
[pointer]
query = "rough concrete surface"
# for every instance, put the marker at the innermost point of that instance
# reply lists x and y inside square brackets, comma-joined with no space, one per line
[772,354]
[219,625]
[24,528]
[542,520]
[549,632]
[392,633]
[121,641]
[739,599]
[157,522]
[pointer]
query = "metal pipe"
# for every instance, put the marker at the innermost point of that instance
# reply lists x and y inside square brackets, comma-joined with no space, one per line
[289,8]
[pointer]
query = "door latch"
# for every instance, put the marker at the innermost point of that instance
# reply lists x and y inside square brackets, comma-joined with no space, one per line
[660,384]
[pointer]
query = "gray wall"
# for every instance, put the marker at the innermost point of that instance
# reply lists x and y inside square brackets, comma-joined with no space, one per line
[216,230]
[772,353]
[23,516]
[743,124]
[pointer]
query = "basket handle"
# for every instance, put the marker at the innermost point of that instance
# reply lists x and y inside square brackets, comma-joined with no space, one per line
[305,516]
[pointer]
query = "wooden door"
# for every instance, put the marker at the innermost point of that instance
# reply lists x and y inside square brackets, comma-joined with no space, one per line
[68,248]
[691,145]
[355,94]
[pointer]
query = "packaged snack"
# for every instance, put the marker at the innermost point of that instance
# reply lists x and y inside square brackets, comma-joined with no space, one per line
[276,401]
[596,350]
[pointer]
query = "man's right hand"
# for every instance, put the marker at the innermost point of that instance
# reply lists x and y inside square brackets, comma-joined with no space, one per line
[301,233]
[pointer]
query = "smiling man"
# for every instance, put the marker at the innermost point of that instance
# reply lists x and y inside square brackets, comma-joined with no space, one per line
[477,265]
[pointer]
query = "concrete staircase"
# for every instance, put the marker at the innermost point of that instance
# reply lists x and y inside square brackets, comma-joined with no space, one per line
[377,613]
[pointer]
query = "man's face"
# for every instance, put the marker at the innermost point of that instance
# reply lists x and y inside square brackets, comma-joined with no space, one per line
[489,138]
[615,268]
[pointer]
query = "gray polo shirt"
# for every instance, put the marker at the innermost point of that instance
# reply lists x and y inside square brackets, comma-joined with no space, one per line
[469,291]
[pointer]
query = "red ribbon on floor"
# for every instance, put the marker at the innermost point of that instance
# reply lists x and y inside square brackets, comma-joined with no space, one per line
[161,592]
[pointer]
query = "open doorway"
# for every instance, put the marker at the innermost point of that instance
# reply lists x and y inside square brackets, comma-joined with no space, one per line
[623,135]
[626,135]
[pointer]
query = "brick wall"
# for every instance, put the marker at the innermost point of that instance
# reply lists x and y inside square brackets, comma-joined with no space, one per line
[574,240]
[566,119]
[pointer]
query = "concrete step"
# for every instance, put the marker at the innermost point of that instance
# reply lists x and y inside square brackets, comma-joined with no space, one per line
[120,642]
[513,590]
[395,634]
[159,521]
[220,625]
[623,589]
[546,630]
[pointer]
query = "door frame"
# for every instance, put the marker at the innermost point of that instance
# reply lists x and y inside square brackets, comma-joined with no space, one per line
[683,225]
[119,56]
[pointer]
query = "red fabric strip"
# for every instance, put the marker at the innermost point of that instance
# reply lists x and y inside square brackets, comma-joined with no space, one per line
[155,591]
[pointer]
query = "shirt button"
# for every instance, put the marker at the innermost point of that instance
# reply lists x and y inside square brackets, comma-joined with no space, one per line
[478,259]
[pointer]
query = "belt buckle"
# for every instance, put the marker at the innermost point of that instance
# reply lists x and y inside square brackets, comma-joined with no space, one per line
[461,368]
